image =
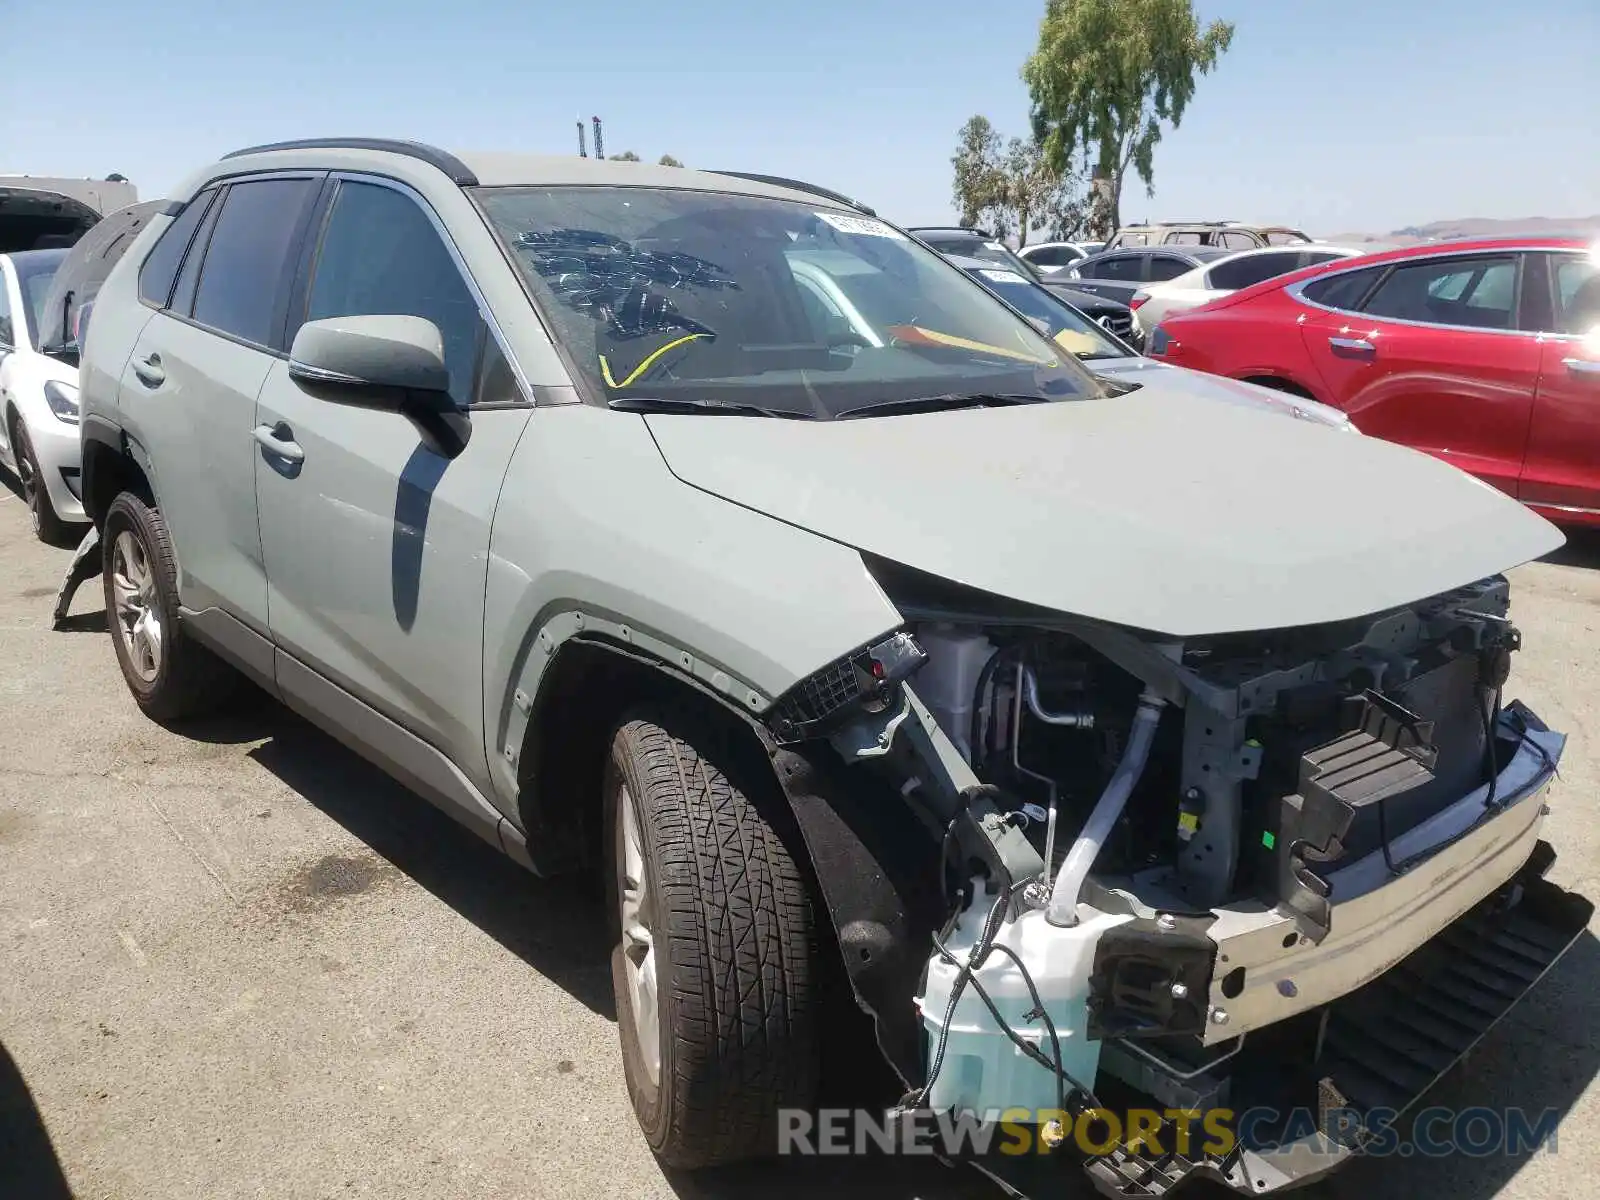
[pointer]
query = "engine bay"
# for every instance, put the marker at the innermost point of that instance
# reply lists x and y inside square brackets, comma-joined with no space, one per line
[1221,807]
[1152,850]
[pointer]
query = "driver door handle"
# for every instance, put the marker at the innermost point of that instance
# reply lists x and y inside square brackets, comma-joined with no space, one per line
[149,370]
[1347,347]
[279,440]
[1582,366]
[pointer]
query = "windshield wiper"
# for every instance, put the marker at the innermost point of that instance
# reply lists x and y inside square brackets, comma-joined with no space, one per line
[700,404]
[939,404]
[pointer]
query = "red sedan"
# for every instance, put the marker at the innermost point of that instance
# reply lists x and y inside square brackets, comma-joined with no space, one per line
[1485,353]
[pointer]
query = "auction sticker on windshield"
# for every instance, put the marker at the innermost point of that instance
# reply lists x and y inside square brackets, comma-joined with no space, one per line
[1003,276]
[863,226]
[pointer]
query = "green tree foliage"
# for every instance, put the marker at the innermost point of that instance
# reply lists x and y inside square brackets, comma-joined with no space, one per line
[668,161]
[626,156]
[1010,187]
[1106,76]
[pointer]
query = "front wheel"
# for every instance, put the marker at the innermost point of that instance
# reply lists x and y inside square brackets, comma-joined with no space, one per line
[714,965]
[170,674]
[48,526]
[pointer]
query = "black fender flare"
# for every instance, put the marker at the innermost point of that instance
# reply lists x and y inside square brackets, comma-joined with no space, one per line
[873,861]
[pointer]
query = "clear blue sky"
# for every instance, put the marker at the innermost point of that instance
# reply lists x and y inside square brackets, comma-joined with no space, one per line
[1361,115]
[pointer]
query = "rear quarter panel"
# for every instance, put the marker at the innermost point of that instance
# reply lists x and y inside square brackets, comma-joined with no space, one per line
[1258,338]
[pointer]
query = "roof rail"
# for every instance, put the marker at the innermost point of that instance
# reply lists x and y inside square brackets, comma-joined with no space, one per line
[460,174]
[800,186]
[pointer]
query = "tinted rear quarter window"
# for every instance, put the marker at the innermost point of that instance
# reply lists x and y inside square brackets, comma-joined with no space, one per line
[1344,290]
[183,295]
[247,267]
[161,264]
[1125,267]
[1166,266]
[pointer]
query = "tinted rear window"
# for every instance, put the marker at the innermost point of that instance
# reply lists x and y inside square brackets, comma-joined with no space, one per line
[1256,268]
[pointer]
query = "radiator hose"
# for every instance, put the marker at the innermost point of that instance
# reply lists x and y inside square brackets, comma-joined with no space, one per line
[1063,909]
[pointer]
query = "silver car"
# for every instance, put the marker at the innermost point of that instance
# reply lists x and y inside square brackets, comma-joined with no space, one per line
[714,535]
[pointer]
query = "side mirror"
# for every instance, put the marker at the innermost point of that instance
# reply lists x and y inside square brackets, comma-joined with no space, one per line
[388,363]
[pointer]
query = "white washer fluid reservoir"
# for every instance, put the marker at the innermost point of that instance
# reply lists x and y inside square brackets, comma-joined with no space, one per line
[983,1070]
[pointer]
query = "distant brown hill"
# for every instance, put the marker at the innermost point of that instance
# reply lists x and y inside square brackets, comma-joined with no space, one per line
[1476,227]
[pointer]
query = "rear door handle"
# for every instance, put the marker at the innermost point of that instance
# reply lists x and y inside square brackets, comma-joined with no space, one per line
[279,440]
[1346,347]
[1582,366]
[149,370]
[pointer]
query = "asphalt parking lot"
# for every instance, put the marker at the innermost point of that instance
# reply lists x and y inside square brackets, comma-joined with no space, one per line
[239,962]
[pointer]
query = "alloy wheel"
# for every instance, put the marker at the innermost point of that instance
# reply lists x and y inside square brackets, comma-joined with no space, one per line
[638,939]
[138,615]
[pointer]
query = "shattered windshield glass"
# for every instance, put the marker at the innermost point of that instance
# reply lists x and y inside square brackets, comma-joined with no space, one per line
[739,300]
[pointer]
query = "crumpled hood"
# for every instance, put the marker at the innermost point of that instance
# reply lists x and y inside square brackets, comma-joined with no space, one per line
[1147,510]
[1219,387]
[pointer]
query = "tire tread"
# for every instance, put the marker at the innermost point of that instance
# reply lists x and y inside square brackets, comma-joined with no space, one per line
[737,912]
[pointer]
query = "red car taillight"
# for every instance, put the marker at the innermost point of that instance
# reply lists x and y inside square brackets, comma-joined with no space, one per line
[1138,299]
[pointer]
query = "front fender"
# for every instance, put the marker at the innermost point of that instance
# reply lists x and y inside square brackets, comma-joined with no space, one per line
[593,535]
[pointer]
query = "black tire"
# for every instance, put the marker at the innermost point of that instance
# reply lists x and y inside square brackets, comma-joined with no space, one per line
[189,679]
[733,927]
[48,526]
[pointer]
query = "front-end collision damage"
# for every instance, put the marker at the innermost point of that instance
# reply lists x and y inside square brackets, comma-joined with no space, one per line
[1072,864]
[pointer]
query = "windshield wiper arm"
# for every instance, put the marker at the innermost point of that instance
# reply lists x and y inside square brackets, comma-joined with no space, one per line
[940,404]
[700,404]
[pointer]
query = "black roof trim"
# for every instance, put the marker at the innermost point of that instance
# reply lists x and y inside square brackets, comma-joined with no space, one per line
[800,186]
[171,208]
[970,230]
[460,174]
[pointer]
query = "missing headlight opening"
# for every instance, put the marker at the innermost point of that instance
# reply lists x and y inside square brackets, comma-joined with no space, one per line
[1169,865]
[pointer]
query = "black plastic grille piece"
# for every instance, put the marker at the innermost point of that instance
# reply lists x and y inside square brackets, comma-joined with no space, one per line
[819,697]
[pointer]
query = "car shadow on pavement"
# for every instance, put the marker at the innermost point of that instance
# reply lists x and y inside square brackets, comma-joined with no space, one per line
[556,926]
[1582,550]
[1541,1058]
[86,622]
[28,1163]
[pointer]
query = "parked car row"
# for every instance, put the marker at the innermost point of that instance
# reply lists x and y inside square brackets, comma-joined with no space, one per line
[856,608]
[45,299]
[1484,353]
[1112,313]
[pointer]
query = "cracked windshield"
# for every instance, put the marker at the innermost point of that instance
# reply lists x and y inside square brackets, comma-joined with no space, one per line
[804,311]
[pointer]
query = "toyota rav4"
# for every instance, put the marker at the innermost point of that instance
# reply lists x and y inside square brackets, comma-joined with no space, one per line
[1116,744]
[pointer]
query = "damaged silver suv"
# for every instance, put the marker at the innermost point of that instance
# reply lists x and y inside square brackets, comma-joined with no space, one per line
[1119,746]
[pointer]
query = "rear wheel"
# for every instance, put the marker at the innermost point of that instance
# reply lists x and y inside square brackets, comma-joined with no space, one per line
[715,952]
[48,527]
[169,673]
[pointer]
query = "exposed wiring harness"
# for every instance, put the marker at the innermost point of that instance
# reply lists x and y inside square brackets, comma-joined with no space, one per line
[965,978]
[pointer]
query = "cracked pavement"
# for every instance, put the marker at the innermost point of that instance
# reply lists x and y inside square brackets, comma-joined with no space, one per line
[239,962]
